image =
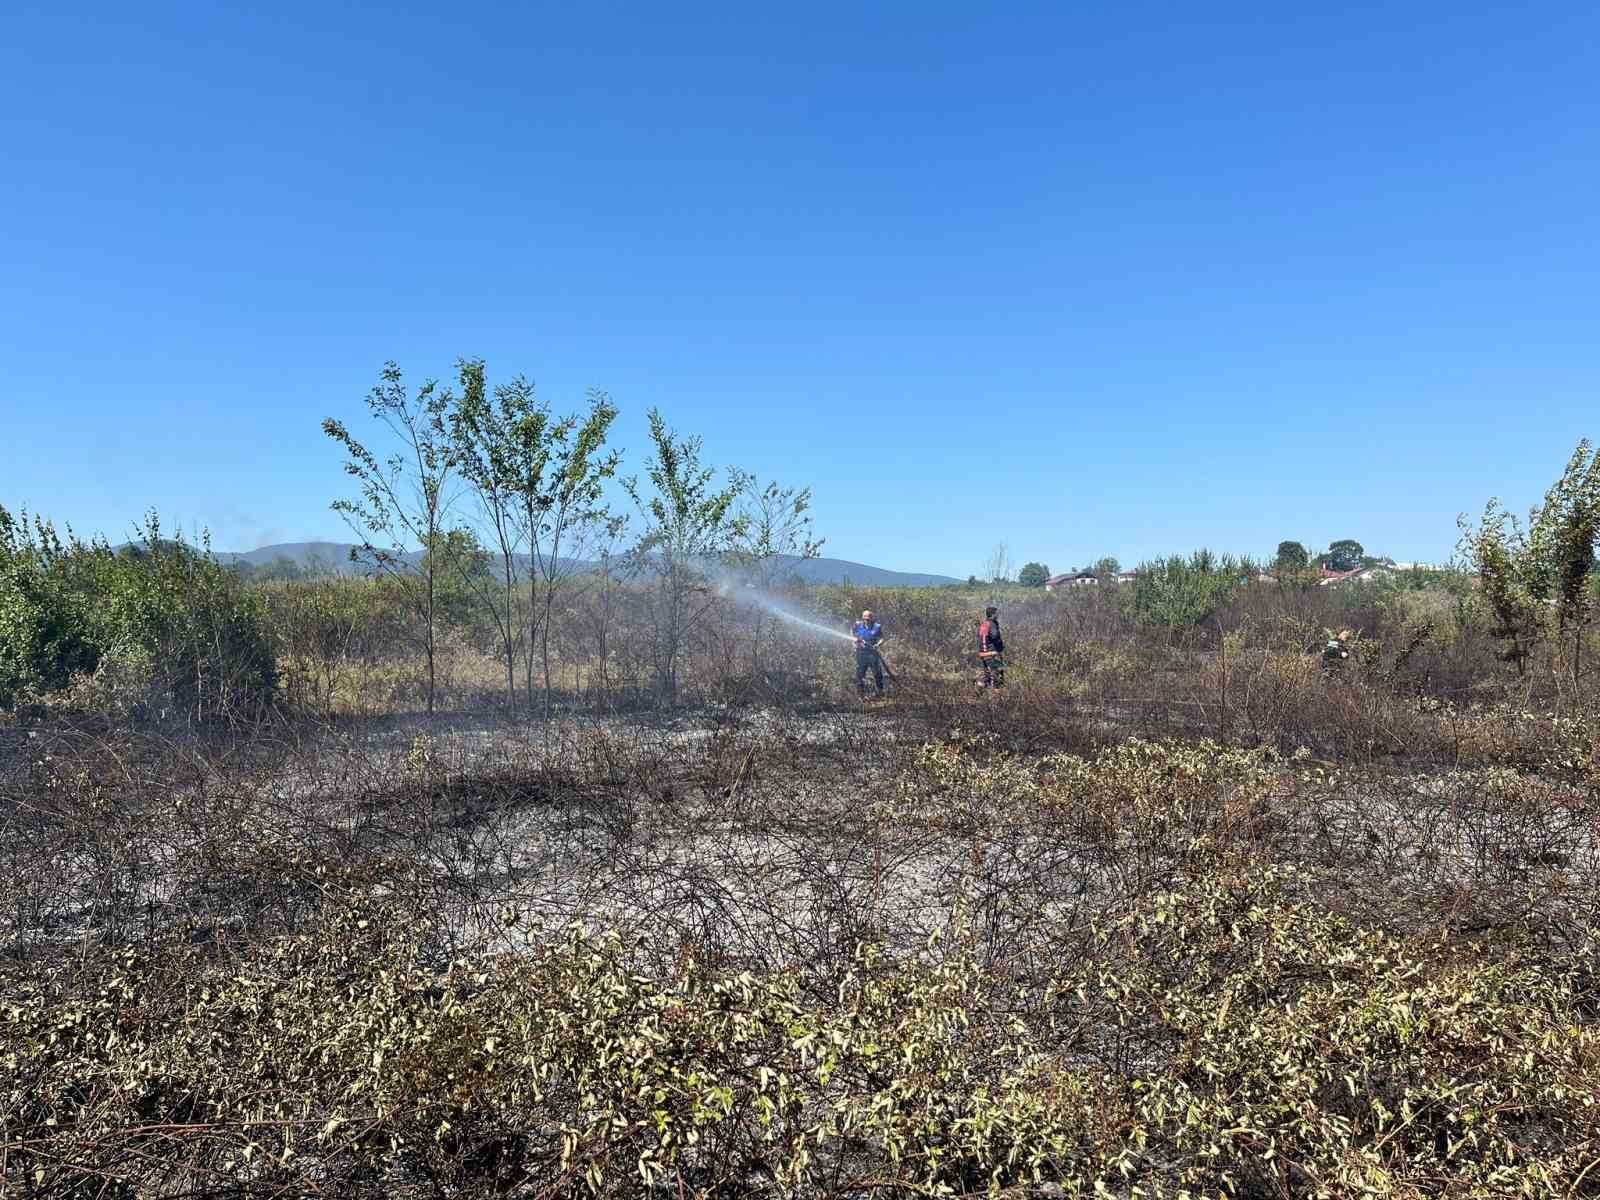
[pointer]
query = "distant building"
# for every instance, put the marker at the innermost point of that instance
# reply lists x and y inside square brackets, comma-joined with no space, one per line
[1329,576]
[1075,579]
[1365,574]
[1326,576]
[1087,579]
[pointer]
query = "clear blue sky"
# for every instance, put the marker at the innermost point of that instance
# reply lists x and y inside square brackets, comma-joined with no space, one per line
[1087,279]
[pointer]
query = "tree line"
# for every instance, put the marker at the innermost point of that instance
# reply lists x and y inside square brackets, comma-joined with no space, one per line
[510,502]
[1346,554]
[477,502]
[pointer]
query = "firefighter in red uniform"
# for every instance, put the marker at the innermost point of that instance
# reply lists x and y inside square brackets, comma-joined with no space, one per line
[991,650]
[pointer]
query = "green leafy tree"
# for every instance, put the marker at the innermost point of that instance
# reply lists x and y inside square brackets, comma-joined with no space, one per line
[574,519]
[1106,568]
[773,522]
[501,444]
[403,498]
[1511,582]
[1542,573]
[1344,555]
[1291,556]
[1033,575]
[540,483]
[689,522]
[1573,539]
[463,572]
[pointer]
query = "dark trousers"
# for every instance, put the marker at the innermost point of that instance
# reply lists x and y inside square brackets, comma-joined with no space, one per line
[994,672]
[868,660]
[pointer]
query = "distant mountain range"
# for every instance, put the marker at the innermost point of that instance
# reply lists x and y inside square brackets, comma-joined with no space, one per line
[335,557]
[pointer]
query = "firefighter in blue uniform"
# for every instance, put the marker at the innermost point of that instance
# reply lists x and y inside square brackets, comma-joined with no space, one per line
[868,633]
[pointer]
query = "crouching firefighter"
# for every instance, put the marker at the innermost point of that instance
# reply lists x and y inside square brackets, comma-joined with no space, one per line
[1336,651]
[868,634]
[991,650]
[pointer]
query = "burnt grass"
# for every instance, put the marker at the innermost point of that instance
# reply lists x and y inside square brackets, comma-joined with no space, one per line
[1201,879]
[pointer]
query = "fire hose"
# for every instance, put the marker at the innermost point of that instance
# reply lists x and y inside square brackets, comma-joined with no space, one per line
[877,652]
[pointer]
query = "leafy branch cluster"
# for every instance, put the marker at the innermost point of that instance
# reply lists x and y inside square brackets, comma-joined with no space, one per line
[1541,574]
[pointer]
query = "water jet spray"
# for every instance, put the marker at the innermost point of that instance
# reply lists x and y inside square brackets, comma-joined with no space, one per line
[770,604]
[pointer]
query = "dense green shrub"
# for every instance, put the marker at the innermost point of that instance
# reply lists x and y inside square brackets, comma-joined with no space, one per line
[158,624]
[1179,592]
[43,621]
